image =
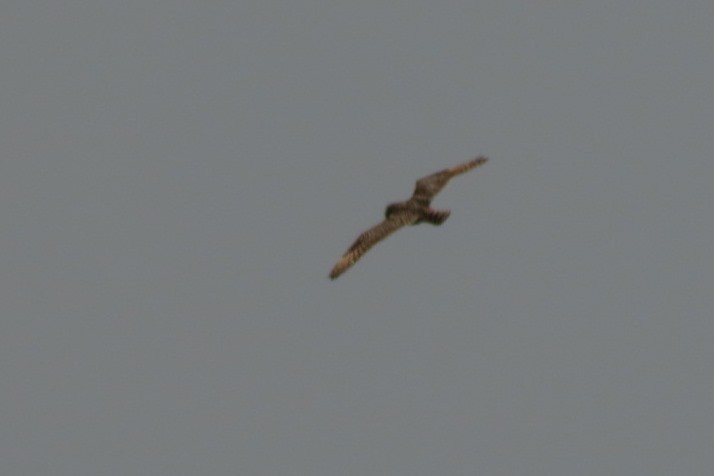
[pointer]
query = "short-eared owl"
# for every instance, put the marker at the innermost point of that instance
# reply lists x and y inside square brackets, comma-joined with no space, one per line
[412,212]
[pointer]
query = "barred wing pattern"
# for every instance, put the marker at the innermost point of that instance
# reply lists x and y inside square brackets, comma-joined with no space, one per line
[371,237]
[427,187]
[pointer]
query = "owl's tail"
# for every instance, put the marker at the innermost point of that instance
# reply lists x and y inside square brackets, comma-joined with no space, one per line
[435,217]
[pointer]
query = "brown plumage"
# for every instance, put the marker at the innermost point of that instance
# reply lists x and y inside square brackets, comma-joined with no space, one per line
[411,212]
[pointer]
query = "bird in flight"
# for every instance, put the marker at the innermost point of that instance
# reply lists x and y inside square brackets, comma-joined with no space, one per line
[400,214]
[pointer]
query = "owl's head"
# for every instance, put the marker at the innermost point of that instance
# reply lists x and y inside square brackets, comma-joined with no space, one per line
[392,208]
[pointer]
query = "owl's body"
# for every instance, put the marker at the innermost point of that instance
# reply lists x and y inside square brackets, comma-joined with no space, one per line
[411,212]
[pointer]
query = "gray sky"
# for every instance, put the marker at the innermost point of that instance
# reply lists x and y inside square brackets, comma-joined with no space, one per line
[178,178]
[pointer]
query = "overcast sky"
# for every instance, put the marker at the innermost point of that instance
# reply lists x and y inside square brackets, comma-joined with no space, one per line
[178,178]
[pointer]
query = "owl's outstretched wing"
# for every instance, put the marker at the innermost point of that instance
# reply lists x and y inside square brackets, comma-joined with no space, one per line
[427,187]
[370,238]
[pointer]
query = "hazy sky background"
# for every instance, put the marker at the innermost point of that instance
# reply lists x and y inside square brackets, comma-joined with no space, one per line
[178,178]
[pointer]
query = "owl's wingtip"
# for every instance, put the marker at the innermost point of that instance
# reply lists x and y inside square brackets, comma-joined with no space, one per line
[338,270]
